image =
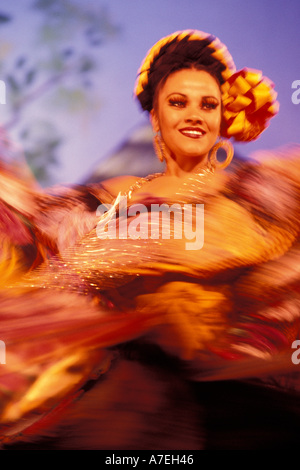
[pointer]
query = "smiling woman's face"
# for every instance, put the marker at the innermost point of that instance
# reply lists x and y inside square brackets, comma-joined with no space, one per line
[188,115]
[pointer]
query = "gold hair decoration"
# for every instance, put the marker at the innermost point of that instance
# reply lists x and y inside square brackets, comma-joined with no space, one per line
[249,102]
[159,146]
[228,147]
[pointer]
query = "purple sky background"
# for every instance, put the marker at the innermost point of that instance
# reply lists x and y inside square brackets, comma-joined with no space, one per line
[263,35]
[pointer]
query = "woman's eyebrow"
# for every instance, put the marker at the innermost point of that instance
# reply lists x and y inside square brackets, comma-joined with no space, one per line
[176,93]
[211,97]
[186,96]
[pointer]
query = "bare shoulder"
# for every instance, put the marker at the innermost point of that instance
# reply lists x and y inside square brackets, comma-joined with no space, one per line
[119,183]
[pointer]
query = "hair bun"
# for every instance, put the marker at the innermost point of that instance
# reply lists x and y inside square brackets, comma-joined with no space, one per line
[170,52]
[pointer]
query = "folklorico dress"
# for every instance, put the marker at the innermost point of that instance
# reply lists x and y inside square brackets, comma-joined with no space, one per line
[100,306]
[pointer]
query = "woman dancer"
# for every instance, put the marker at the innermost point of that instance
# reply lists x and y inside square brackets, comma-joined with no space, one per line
[134,302]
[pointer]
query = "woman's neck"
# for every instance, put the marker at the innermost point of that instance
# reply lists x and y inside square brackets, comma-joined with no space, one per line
[182,169]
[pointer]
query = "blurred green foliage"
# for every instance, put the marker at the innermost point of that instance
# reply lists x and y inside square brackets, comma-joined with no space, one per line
[58,71]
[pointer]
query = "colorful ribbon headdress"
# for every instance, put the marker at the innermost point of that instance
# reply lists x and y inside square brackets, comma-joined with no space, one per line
[249,99]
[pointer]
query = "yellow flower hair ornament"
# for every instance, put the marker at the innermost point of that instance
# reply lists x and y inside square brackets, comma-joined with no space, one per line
[249,102]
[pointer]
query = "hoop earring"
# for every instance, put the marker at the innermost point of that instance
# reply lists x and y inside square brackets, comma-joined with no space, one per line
[159,146]
[228,147]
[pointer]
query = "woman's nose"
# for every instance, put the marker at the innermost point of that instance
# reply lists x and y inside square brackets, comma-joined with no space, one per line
[193,116]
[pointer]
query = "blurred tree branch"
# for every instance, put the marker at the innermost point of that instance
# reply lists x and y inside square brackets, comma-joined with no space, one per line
[64,57]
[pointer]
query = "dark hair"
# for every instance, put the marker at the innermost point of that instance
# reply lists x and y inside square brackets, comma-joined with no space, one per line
[177,55]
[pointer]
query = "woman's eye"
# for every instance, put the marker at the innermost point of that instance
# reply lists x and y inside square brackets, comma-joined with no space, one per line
[209,105]
[177,103]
